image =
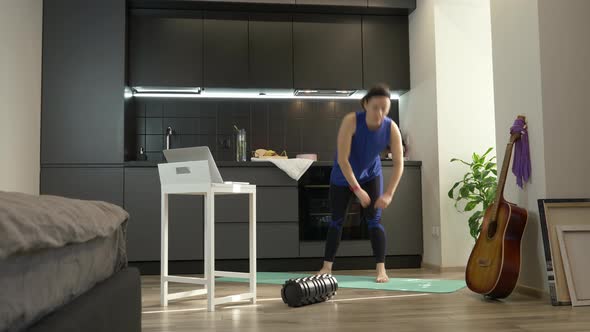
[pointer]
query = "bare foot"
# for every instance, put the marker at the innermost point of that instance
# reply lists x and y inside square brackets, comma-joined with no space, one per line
[381,273]
[326,269]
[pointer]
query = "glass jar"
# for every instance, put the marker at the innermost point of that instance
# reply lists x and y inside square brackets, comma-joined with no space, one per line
[241,145]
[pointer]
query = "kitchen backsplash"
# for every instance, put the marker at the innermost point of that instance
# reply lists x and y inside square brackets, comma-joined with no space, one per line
[296,126]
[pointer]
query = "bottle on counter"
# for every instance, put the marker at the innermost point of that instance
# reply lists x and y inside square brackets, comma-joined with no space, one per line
[241,145]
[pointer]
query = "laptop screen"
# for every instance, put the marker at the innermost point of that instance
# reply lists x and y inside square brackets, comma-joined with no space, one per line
[194,154]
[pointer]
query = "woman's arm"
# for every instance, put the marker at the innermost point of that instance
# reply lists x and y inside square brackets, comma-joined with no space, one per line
[398,167]
[347,129]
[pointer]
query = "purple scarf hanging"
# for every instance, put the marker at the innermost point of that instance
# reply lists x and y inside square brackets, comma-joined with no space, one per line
[521,166]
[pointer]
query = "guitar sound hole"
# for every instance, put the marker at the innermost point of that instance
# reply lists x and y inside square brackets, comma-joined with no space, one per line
[492,229]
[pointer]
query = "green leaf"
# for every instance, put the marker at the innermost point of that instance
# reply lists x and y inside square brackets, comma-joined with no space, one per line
[473,222]
[491,178]
[479,186]
[491,194]
[474,225]
[462,161]
[476,175]
[464,191]
[477,199]
[454,186]
[471,205]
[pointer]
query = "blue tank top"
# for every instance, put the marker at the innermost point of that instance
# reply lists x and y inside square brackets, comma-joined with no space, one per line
[364,151]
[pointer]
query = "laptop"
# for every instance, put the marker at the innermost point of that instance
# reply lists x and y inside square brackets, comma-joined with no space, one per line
[195,154]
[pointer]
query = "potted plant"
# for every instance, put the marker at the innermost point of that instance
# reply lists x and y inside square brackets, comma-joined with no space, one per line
[477,190]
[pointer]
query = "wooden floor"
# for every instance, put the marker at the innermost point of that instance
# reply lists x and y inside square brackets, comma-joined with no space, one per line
[358,310]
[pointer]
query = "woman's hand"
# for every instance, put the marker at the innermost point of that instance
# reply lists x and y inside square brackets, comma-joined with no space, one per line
[363,197]
[383,201]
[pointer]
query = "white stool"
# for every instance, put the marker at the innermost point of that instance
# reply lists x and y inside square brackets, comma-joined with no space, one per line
[193,178]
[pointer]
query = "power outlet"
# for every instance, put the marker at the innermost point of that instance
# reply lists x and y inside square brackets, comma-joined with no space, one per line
[436,231]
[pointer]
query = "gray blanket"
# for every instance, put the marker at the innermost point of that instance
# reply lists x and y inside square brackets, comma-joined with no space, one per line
[35,284]
[30,223]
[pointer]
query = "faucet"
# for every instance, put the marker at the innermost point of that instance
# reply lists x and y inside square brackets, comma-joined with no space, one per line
[169,133]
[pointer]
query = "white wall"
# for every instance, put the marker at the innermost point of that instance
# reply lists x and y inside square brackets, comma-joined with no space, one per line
[465,108]
[541,69]
[449,112]
[517,89]
[564,30]
[418,119]
[20,94]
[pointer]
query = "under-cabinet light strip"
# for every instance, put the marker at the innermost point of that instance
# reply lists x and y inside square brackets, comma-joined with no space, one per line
[246,95]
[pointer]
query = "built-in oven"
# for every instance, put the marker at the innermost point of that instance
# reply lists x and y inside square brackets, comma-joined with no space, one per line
[315,211]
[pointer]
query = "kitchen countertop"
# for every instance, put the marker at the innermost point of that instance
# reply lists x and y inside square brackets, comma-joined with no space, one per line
[153,163]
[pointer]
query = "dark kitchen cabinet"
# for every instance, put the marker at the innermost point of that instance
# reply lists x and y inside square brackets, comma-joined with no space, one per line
[268,50]
[403,218]
[402,221]
[351,3]
[257,2]
[410,4]
[277,216]
[83,76]
[273,204]
[166,51]
[91,183]
[327,51]
[226,50]
[273,240]
[386,56]
[271,51]
[354,248]
[143,202]
[261,176]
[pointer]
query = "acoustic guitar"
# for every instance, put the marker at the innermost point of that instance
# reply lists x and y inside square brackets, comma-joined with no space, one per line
[494,263]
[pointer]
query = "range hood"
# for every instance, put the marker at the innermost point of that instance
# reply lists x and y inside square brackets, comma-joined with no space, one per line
[224,93]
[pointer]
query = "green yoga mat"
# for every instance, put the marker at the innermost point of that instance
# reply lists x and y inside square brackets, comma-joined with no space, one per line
[366,282]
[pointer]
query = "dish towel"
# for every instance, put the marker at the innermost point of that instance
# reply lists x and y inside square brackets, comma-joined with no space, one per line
[294,167]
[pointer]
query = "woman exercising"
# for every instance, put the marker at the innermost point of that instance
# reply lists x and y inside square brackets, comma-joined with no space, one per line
[357,170]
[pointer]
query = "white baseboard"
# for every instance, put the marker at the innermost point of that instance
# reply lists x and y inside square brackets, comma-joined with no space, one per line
[531,291]
[520,289]
[438,268]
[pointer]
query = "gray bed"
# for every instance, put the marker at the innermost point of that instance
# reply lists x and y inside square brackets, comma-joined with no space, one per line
[63,266]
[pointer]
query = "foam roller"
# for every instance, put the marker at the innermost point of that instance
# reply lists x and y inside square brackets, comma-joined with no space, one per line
[309,290]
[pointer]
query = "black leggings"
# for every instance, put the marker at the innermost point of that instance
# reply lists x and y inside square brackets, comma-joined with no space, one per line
[340,200]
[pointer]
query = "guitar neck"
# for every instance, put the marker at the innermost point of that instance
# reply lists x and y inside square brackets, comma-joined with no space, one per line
[502,179]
